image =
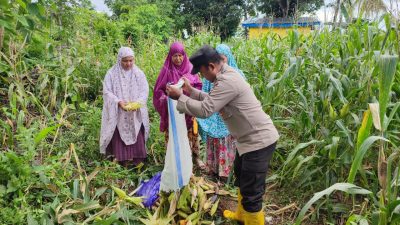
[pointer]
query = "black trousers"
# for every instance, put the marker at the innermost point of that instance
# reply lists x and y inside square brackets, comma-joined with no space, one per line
[250,172]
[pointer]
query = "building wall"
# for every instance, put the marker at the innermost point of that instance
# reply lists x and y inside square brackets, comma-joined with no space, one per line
[256,32]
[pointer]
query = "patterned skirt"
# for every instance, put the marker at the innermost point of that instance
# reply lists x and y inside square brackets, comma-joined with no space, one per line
[220,155]
[135,153]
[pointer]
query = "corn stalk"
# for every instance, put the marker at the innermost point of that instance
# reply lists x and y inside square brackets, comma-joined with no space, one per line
[1,37]
[387,68]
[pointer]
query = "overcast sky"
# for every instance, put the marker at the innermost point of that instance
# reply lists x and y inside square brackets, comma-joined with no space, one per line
[100,6]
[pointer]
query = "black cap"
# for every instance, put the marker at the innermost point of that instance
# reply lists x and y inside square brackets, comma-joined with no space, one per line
[202,57]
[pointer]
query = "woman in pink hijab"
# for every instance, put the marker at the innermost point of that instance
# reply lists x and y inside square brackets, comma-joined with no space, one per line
[176,66]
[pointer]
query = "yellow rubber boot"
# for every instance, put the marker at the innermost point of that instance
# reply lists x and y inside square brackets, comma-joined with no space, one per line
[238,214]
[253,218]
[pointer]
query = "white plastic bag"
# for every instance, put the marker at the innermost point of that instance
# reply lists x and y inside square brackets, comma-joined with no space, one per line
[178,160]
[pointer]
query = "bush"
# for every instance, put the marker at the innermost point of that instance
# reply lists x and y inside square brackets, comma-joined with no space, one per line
[146,21]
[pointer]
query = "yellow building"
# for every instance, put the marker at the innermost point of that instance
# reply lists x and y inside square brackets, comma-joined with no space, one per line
[258,27]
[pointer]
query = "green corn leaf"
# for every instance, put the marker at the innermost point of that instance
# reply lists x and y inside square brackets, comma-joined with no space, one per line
[391,116]
[338,86]
[299,147]
[365,128]
[355,166]
[87,206]
[356,219]
[387,65]
[345,187]
[4,3]
[301,163]
[346,131]
[334,147]
[21,3]
[43,133]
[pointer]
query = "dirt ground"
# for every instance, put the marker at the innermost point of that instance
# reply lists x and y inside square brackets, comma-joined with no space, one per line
[276,213]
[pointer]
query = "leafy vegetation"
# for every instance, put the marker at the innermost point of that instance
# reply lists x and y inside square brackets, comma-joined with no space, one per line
[288,8]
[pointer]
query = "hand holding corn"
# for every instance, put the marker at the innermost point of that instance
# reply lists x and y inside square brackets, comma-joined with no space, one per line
[132,106]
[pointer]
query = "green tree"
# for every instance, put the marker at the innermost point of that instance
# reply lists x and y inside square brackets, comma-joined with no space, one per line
[249,8]
[223,17]
[119,7]
[22,17]
[165,9]
[144,21]
[288,8]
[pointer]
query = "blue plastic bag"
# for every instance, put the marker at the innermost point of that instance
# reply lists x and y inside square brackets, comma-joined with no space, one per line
[149,190]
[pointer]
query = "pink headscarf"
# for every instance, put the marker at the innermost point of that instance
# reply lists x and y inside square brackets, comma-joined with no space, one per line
[170,73]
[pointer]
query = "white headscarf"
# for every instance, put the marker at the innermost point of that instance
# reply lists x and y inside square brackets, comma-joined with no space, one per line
[128,86]
[124,52]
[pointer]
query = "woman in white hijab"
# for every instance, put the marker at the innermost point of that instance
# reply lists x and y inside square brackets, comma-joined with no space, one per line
[125,129]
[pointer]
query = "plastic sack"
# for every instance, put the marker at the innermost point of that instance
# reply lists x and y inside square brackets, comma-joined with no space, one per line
[149,190]
[178,160]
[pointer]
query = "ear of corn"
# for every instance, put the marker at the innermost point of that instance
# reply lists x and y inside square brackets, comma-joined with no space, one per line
[132,106]
[193,204]
[195,127]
